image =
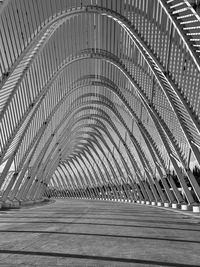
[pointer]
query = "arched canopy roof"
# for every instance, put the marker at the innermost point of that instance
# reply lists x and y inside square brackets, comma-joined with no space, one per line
[99,92]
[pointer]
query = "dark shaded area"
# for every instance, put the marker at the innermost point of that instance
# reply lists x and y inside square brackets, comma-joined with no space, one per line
[125,226]
[106,219]
[106,235]
[28,205]
[196,170]
[92,218]
[99,258]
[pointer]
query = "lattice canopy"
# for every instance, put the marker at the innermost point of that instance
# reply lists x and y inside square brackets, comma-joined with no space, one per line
[100,99]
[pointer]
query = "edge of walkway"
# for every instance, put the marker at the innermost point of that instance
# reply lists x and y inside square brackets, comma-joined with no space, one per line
[182,212]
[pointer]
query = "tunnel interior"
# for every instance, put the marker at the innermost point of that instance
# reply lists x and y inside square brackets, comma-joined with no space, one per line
[99,100]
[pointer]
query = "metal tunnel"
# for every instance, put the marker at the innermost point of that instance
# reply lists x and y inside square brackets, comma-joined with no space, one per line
[100,99]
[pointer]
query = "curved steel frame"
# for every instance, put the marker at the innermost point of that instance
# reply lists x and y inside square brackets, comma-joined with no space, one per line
[66,100]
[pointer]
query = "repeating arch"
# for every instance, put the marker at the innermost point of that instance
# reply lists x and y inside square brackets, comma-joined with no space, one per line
[99,99]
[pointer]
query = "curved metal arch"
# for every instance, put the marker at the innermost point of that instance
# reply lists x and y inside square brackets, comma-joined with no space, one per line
[147,194]
[152,110]
[155,195]
[111,167]
[96,181]
[36,41]
[83,8]
[38,175]
[117,92]
[98,145]
[126,105]
[62,182]
[197,125]
[38,162]
[64,176]
[79,160]
[87,150]
[80,137]
[71,178]
[58,107]
[78,181]
[45,89]
[65,182]
[113,92]
[145,50]
[98,136]
[82,152]
[181,34]
[116,148]
[39,98]
[155,113]
[116,183]
[62,173]
[188,194]
[117,17]
[71,158]
[76,188]
[90,143]
[108,191]
[69,182]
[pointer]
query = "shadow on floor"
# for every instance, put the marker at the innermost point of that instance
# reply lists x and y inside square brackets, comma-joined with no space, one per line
[97,258]
[103,235]
[110,219]
[130,226]
[102,217]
